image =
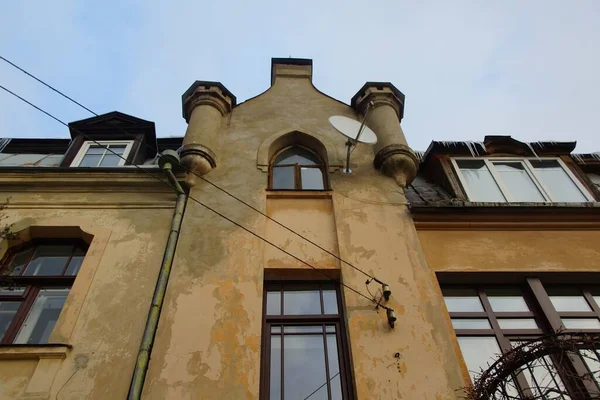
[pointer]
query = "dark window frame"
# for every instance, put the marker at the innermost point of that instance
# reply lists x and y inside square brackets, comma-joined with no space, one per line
[33,284]
[542,310]
[298,170]
[282,320]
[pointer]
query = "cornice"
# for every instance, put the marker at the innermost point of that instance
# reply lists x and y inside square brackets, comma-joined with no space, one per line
[556,216]
[126,179]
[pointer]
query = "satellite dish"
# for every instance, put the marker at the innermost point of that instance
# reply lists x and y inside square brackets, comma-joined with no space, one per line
[353,129]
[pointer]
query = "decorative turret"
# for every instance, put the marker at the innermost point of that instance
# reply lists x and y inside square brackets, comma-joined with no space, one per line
[393,156]
[204,106]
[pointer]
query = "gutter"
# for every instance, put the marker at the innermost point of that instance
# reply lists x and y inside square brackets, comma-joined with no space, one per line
[166,162]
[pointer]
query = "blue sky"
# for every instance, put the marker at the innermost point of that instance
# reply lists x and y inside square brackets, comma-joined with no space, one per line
[530,69]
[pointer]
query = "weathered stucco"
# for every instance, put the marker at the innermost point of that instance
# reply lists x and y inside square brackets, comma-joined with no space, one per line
[106,310]
[511,250]
[208,343]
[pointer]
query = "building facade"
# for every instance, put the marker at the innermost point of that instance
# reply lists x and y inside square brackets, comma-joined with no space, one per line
[240,261]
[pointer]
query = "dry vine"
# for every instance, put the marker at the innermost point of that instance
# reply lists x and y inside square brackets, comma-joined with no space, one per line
[498,381]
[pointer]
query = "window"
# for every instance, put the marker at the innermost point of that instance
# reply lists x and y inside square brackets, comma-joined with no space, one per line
[94,154]
[490,320]
[305,353]
[297,168]
[519,180]
[36,281]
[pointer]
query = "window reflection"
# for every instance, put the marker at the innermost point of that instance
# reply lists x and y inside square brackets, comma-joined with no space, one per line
[507,300]
[556,180]
[479,180]
[479,352]
[43,316]
[462,300]
[298,168]
[301,302]
[518,182]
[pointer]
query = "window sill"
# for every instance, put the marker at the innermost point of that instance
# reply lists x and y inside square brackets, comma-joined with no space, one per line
[298,194]
[33,351]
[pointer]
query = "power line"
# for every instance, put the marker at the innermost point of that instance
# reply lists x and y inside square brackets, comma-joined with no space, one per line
[198,201]
[199,176]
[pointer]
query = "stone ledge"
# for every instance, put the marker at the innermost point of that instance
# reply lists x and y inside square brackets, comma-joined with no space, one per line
[34,352]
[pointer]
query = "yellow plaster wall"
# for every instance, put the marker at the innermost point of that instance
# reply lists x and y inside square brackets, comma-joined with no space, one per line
[106,310]
[208,342]
[14,376]
[510,250]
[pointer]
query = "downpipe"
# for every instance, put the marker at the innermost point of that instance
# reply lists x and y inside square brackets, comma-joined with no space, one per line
[166,162]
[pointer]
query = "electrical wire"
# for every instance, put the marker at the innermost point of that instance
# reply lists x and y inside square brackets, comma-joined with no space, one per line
[196,200]
[135,138]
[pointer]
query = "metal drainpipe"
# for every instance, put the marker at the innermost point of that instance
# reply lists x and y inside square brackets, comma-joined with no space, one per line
[166,161]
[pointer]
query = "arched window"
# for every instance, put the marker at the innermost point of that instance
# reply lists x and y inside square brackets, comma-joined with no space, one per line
[35,281]
[297,168]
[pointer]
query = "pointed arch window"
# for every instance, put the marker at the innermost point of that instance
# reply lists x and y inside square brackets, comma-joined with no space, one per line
[297,168]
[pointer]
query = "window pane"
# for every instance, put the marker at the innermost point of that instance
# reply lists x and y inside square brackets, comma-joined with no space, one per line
[303,329]
[568,299]
[506,300]
[556,180]
[283,178]
[517,181]
[517,323]
[304,367]
[478,352]
[90,161]
[276,329]
[312,179]
[542,377]
[592,360]
[330,328]
[8,309]
[19,261]
[301,302]
[49,260]
[462,300]
[581,323]
[330,302]
[275,379]
[117,148]
[110,160]
[43,315]
[95,149]
[74,265]
[334,368]
[471,323]
[481,185]
[297,155]
[273,303]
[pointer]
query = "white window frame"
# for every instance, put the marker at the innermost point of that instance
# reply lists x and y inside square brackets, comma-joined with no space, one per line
[530,171]
[86,145]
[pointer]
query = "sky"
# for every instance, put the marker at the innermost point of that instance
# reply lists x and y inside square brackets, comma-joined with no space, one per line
[529,69]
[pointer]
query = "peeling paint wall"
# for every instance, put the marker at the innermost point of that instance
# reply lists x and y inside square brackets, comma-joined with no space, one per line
[208,342]
[105,312]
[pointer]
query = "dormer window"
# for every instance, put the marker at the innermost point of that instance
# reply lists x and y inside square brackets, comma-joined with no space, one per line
[519,180]
[102,154]
[297,168]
